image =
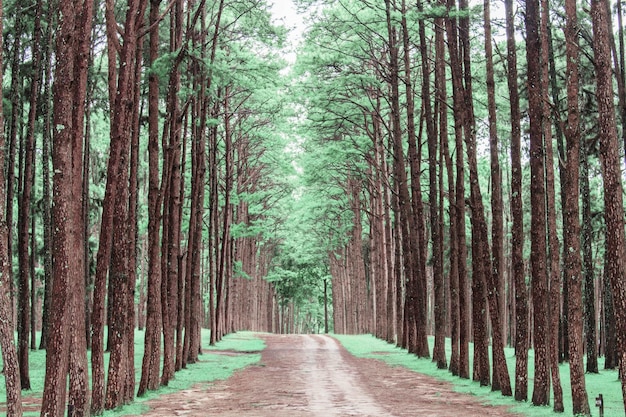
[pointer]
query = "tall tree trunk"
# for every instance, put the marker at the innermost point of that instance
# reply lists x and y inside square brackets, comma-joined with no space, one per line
[589,295]
[457,97]
[497,228]
[406,223]
[119,126]
[9,353]
[610,349]
[13,128]
[571,225]
[25,304]
[554,277]
[119,279]
[132,224]
[541,386]
[46,209]
[67,346]
[439,354]
[421,318]
[442,113]
[517,230]
[613,200]
[152,344]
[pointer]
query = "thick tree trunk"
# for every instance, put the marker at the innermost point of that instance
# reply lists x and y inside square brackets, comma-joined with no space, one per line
[610,161]
[571,225]
[67,342]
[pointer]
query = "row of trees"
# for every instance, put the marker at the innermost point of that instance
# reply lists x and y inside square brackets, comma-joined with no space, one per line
[140,162]
[158,176]
[431,136]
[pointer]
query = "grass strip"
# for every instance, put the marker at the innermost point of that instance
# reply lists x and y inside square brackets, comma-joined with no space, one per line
[606,382]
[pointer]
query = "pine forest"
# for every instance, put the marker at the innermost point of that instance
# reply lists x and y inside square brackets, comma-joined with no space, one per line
[446,170]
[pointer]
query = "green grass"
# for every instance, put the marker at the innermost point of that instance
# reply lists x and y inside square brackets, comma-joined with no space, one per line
[606,382]
[213,367]
[210,367]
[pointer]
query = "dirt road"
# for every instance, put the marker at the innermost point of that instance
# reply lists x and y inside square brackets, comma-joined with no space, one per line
[313,375]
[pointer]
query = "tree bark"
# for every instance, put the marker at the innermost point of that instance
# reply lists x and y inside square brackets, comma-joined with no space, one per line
[461,239]
[152,343]
[67,337]
[24,219]
[9,353]
[571,225]
[541,386]
[589,295]
[610,162]
[517,214]
[554,270]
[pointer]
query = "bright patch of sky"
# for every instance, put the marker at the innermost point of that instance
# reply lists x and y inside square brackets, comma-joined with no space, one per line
[285,14]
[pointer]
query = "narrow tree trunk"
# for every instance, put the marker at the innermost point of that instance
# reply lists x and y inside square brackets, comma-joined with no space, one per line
[13,129]
[589,294]
[9,353]
[457,96]
[517,214]
[25,303]
[497,228]
[421,318]
[152,345]
[554,270]
[46,209]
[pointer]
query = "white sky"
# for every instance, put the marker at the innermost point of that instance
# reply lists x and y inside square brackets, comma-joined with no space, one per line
[285,13]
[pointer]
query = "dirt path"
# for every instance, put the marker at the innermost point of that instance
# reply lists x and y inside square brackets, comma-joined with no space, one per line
[313,375]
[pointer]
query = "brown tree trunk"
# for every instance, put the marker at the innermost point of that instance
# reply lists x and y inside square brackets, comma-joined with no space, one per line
[195,223]
[133,228]
[497,228]
[461,245]
[442,113]
[517,231]
[571,225]
[554,277]
[46,209]
[120,92]
[9,353]
[24,258]
[610,342]
[539,272]
[152,345]
[421,318]
[609,157]
[407,228]
[13,129]
[589,295]
[67,338]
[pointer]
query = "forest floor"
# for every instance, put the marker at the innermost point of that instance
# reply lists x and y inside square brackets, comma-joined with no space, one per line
[313,375]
